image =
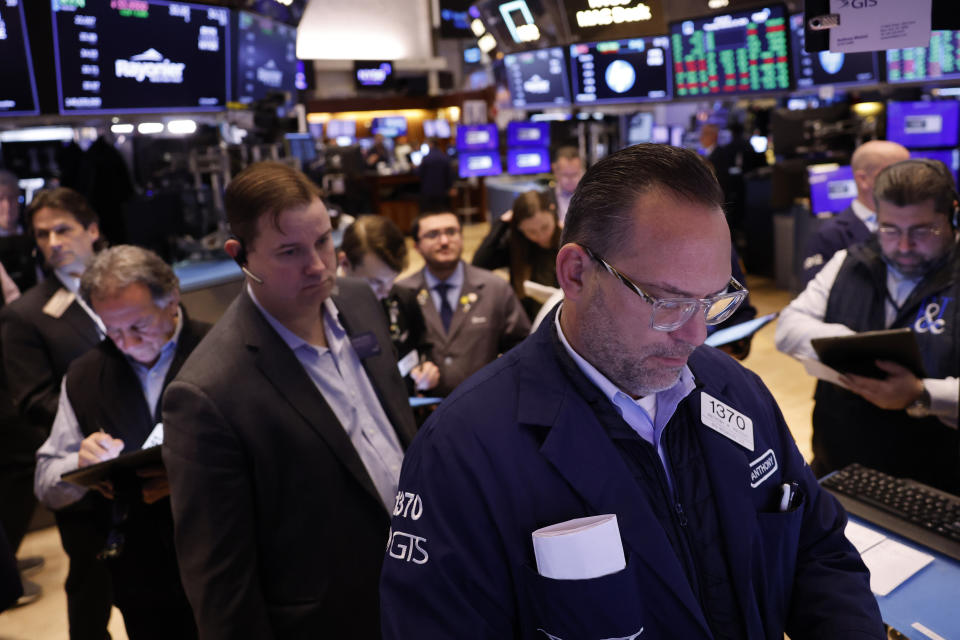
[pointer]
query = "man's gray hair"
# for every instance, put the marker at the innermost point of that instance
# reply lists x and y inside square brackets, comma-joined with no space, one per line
[118,267]
[601,212]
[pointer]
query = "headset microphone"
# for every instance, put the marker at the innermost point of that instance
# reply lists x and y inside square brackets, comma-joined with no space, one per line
[241,260]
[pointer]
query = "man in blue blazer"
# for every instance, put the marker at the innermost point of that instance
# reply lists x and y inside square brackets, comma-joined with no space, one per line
[613,407]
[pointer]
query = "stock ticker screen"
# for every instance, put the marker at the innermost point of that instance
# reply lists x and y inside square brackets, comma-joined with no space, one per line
[633,70]
[940,60]
[139,56]
[18,90]
[739,52]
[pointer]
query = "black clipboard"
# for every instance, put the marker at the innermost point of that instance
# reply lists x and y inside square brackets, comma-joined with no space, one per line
[856,353]
[127,463]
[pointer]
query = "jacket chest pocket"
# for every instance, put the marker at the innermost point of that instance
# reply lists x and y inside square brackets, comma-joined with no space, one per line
[609,607]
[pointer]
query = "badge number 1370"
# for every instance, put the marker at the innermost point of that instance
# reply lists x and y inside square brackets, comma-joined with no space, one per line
[726,420]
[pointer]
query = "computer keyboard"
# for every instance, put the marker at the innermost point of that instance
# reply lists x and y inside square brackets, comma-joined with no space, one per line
[913,510]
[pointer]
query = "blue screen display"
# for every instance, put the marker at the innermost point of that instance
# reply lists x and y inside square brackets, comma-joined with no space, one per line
[486,163]
[923,124]
[528,134]
[528,160]
[477,137]
[832,188]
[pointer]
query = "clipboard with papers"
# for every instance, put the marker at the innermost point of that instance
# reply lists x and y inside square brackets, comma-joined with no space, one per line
[127,463]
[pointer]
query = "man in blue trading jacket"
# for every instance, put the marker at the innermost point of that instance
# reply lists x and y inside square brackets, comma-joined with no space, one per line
[857,222]
[905,276]
[611,407]
[110,403]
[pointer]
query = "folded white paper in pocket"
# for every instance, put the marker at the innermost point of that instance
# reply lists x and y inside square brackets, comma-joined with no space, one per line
[579,549]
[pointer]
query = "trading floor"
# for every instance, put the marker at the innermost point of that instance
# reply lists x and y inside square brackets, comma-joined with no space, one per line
[792,387]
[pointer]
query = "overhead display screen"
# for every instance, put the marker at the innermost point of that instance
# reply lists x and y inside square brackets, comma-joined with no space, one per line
[266,57]
[613,19]
[537,78]
[18,89]
[738,52]
[938,61]
[482,163]
[128,56]
[633,70]
[923,124]
[828,67]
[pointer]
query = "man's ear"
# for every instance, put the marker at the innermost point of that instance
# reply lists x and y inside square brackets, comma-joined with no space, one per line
[232,246]
[572,266]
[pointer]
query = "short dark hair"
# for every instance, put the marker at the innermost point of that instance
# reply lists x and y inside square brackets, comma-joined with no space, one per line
[601,209]
[415,227]
[265,188]
[376,235]
[65,199]
[567,152]
[915,181]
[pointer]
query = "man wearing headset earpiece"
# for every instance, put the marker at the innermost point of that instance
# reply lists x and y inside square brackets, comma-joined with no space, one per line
[285,430]
[904,276]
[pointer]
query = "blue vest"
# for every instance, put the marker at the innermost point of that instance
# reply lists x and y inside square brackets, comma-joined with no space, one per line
[847,428]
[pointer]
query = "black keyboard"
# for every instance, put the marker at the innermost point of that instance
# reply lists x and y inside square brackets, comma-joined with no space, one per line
[923,514]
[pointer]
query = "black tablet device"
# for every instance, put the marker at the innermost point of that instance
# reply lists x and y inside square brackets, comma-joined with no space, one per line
[125,463]
[858,353]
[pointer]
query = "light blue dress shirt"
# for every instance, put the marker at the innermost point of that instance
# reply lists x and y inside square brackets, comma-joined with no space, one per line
[60,453]
[338,375]
[649,415]
[453,293]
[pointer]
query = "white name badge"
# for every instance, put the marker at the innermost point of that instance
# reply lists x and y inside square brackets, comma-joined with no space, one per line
[726,420]
[408,362]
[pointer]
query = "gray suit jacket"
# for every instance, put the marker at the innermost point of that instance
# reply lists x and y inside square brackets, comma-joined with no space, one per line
[279,529]
[487,321]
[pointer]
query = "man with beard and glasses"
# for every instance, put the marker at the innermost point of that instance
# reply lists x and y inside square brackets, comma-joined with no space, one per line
[613,408]
[903,277]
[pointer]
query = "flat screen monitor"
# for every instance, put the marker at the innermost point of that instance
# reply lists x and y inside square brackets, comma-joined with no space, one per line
[436,128]
[301,145]
[389,126]
[477,137]
[341,129]
[480,163]
[676,135]
[266,57]
[949,157]
[819,68]
[738,52]
[373,76]
[537,78]
[528,134]
[832,188]
[923,124]
[660,134]
[640,128]
[528,160]
[142,56]
[940,60]
[634,70]
[18,87]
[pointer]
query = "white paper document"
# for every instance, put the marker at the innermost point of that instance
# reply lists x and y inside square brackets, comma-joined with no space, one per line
[861,537]
[822,372]
[579,549]
[891,563]
[877,25]
[155,437]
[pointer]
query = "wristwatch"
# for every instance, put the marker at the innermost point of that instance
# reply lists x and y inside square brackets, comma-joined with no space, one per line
[920,408]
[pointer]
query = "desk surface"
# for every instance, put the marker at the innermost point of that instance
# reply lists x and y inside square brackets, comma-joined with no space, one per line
[930,597]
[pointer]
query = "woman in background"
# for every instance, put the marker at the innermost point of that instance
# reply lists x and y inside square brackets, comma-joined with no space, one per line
[374,249]
[526,240]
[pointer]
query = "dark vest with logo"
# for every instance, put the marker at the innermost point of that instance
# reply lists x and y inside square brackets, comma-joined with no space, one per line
[105,393]
[847,428]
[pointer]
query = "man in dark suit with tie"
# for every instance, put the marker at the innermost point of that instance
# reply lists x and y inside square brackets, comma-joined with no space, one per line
[472,315]
[43,332]
[284,432]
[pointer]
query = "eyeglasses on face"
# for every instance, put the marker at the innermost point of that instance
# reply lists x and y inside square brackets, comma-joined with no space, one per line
[434,234]
[916,235]
[669,314]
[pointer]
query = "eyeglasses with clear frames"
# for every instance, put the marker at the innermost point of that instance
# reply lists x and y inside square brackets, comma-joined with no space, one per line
[916,235]
[669,314]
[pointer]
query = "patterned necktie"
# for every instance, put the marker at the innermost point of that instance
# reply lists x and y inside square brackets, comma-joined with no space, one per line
[446,311]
